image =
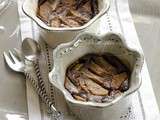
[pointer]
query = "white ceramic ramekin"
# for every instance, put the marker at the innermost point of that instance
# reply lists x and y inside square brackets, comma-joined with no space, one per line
[67,53]
[54,36]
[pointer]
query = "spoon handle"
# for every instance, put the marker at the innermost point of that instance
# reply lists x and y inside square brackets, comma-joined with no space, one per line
[39,77]
[56,114]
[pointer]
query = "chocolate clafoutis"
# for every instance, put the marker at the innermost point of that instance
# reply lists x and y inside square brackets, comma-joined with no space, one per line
[67,13]
[97,78]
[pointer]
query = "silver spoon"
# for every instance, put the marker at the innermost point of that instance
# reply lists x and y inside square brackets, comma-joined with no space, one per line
[31,50]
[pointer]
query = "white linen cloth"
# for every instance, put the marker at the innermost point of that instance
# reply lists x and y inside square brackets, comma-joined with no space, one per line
[118,19]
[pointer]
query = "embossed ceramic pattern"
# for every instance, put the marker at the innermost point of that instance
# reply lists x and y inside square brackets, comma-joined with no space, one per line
[55,36]
[67,53]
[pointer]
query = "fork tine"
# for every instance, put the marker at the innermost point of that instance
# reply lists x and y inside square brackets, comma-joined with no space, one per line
[15,59]
[8,60]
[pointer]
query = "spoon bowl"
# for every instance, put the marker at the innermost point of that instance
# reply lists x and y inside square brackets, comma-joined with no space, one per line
[30,49]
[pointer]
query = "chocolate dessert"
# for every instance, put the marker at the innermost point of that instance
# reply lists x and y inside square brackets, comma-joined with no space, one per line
[97,78]
[67,13]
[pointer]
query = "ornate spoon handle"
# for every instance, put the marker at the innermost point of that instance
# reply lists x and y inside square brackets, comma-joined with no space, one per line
[41,83]
[56,114]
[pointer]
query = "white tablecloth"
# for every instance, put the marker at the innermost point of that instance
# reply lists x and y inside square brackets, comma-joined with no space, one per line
[118,19]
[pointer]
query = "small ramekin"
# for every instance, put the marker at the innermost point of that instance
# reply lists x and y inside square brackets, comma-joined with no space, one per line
[54,36]
[67,53]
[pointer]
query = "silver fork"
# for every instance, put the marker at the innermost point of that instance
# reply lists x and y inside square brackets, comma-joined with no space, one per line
[16,62]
